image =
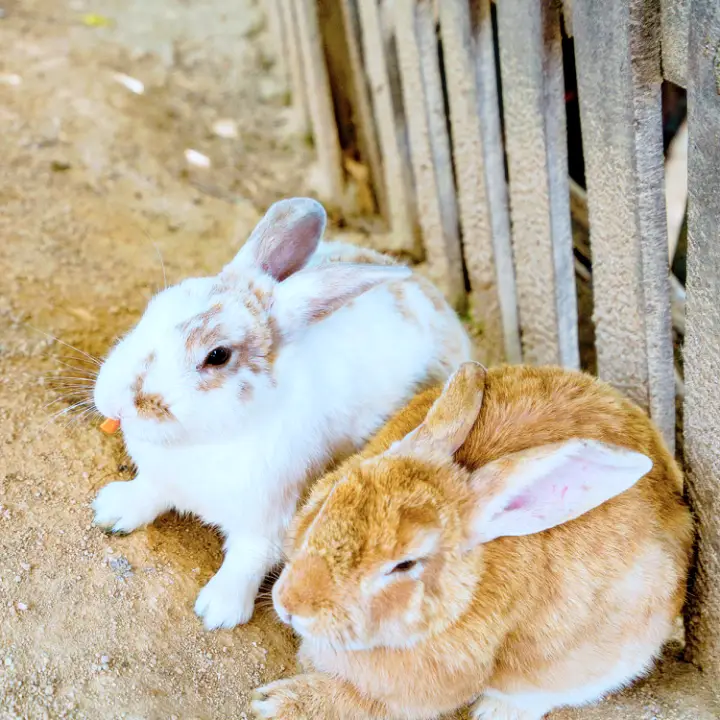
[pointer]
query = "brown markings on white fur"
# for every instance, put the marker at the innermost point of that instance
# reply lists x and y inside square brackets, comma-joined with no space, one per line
[275,344]
[432,293]
[263,297]
[197,326]
[451,349]
[151,406]
[256,352]
[212,381]
[397,290]
[209,337]
[321,309]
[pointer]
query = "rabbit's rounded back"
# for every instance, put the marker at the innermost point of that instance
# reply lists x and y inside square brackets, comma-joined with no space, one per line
[509,510]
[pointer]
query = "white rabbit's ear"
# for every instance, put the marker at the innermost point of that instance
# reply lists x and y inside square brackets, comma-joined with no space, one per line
[310,296]
[283,241]
[537,489]
[451,417]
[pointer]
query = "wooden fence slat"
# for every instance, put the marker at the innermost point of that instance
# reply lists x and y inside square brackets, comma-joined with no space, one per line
[702,351]
[363,121]
[397,173]
[567,6]
[430,144]
[619,84]
[278,34]
[298,88]
[468,51]
[675,40]
[536,145]
[320,104]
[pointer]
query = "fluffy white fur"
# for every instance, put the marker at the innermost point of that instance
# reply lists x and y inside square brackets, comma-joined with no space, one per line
[240,460]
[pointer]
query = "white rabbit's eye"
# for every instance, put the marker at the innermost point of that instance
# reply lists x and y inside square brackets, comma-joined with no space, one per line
[403,567]
[217,357]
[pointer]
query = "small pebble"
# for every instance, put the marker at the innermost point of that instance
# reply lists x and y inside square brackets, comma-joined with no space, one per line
[10,79]
[132,84]
[225,128]
[22,607]
[197,158]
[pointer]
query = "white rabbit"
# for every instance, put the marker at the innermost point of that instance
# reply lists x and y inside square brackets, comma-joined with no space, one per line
[233,391]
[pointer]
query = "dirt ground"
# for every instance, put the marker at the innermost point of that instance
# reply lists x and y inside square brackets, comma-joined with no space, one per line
[94,185]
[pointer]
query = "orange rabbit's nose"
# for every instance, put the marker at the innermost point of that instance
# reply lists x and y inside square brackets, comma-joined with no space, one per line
[307,587]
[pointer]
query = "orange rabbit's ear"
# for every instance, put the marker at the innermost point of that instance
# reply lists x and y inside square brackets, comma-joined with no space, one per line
[536,489]
[451,418]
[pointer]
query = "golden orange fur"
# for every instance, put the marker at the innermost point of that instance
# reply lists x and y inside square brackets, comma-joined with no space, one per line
[515,625]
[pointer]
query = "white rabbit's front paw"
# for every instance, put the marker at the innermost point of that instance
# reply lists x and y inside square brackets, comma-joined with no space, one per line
[124,506]
[225,602]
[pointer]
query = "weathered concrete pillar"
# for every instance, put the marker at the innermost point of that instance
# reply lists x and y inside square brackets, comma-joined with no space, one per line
[617,52]
[702,336]
[298,86]
[278,33]
[397,173]
[320,102]
[675,37]
[358,95]
[430,145]
[479,157]
[536,145]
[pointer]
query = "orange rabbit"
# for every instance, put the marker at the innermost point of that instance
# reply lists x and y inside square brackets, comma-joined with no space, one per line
[516,541]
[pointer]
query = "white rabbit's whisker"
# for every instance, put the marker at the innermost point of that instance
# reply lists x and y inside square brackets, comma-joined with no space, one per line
[67,345]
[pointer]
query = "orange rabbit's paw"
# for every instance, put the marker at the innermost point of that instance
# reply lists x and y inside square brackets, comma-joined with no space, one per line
[492,708]
[298,698]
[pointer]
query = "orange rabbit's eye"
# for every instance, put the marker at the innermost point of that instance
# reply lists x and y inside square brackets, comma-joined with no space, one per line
[404,566]
[217,357]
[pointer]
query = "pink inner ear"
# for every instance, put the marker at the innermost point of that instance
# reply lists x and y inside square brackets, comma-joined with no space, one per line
[288,244]
[517,503]
[541,493]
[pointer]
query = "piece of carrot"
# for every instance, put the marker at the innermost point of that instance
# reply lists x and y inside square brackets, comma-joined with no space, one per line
[110,426]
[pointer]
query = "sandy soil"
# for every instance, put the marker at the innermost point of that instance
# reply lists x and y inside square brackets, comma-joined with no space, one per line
[93,183]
